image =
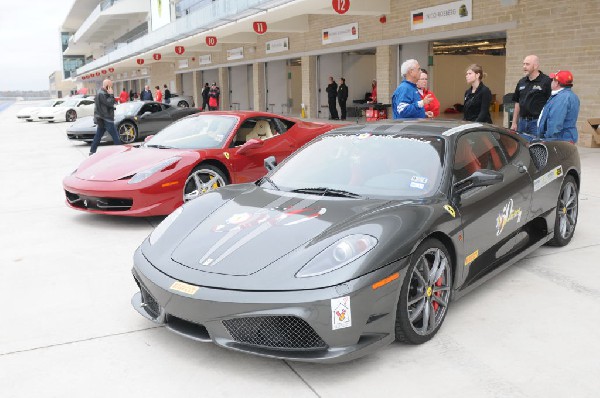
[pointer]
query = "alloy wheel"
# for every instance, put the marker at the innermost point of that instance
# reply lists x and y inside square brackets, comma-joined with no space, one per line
[201,181]
[127,133]
[71,115]
[567,210]
[429,291]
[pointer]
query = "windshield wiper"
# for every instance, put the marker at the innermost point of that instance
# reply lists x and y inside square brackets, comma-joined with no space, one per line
[271,182]
[327,192]
[159,146]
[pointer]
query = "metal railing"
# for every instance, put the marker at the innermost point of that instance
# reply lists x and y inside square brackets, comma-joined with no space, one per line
[215,14]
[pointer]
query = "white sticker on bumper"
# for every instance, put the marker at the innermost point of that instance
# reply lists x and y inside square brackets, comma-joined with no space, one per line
[341,314]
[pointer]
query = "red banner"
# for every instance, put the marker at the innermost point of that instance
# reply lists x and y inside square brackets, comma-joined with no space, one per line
[111,70]
[140,61]
[104,71]
[179,50]
[156,57]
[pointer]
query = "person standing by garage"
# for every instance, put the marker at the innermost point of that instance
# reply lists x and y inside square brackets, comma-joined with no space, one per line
[104,115]
[205,91]
[432,109]
[477,97]
[530,95]
[159,94]
[213,97]
[123,97]
[342,96]
[331,96]
[558,119]
[406,101]
[146,94]
[167,94]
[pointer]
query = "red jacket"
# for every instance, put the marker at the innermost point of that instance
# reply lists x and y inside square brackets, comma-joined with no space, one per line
[433,106]
[123,97]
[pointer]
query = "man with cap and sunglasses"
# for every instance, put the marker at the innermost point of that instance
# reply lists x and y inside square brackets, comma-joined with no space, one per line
[559,116]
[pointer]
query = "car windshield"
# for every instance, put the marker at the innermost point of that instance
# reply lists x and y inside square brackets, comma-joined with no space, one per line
[197,132]
[367,165]
[127,108]
[70,103]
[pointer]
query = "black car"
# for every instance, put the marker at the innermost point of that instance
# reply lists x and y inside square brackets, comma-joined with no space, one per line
[134,120]
[361,237]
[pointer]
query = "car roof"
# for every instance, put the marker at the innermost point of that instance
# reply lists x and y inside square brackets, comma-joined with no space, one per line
[447,128]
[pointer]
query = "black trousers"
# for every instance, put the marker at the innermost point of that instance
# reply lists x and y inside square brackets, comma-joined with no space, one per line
[332,108]
[343,108]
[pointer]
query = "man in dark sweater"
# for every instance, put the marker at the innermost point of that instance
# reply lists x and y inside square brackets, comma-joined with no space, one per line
[342,95]
[331,96]
[104,115]
[530,96]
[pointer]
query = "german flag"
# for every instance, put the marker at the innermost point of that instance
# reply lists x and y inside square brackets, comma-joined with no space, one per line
[417,18]
[325,35]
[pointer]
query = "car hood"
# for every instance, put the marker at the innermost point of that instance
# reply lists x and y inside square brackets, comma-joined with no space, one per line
[249,238]
[86,122]
[46,110]
[125,163]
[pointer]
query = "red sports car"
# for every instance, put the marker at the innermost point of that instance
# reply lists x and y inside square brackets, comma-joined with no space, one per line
[185,160]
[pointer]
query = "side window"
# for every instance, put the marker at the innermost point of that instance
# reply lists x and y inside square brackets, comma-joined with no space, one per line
[242,133]
[87,102]
[282,125]
[475,151]
[509,145]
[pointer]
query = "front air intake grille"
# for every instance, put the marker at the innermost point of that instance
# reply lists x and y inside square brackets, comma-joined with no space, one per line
[281,332]
[148,302]
[96,203]
[539,154]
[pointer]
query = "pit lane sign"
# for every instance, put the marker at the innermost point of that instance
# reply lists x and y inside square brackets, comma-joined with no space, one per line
[445,14]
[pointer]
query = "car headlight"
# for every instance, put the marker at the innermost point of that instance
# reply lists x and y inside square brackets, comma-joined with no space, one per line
[335,256]
[142,175]
[166,223]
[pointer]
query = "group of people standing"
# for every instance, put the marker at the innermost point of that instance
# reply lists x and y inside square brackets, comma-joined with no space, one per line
[146,95]
[341,94]
[210,97]
[545,106]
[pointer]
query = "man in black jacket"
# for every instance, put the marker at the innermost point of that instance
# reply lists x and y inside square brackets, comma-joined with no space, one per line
[342,96]
[167,92]
[205,92]
[331,96]
[104,115]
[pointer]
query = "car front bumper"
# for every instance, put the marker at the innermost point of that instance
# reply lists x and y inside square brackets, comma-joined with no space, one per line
[294,325]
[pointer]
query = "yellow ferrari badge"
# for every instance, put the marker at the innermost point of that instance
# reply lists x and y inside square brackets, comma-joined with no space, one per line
[226,154]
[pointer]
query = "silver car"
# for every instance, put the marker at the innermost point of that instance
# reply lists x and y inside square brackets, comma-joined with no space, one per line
[182,101]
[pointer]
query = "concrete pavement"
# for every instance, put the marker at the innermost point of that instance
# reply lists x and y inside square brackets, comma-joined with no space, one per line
[68,329]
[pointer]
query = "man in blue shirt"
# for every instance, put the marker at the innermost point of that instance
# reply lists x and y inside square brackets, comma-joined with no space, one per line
[406,101]
[559,117]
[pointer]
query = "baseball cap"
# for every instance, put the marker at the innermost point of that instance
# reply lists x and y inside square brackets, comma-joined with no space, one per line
[563,77]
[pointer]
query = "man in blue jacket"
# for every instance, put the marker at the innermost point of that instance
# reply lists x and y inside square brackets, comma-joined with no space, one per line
[559,117]
[406,101]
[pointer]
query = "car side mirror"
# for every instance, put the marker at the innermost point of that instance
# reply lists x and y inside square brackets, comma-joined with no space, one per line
[270,163]
[148,138]
[250,145]
[480,178]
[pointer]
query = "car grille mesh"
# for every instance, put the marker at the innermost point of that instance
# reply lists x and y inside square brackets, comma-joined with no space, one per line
[539,154]
[150,304]
[97,203]
[281,332]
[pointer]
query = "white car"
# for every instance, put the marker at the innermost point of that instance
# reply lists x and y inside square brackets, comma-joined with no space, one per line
[182,101]
[68,111]
[30,113]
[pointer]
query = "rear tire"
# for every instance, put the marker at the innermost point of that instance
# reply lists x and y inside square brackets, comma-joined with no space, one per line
[204,178]
[183,104]
[567,208]
[425,293]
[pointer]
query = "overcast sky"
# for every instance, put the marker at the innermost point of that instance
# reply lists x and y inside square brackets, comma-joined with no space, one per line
[30,42]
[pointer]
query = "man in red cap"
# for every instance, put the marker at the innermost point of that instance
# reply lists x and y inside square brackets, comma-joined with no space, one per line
[559,117]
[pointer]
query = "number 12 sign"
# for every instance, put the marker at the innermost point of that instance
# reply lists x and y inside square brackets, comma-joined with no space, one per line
[341,6]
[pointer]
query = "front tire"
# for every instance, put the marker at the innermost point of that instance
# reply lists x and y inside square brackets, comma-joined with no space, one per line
[183,104]
[567,208]
[71,115]
[204,178]
[425,293]
[128,132]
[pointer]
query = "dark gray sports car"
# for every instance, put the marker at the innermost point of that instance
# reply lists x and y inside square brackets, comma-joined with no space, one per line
[360,238]
[134,120]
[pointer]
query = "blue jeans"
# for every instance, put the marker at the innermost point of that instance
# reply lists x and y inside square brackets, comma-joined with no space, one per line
[103,125]
[527,126]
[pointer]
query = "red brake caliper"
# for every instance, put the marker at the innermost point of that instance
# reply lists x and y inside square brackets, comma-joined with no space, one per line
[438,294]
